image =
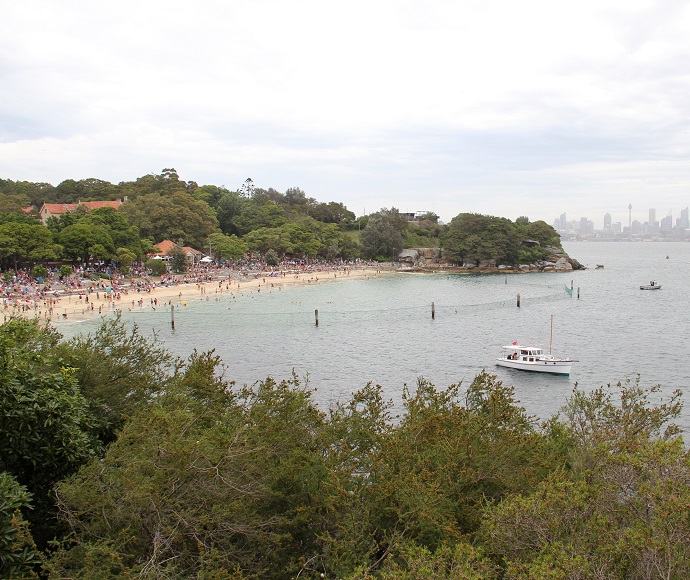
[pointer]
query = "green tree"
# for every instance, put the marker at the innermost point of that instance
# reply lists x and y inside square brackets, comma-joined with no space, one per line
[19,217]
[46,430]
[264,239]
[26,242]
[69,218]
[620,507]
[157,267]
[345,246]
[124,258]
[82,241]
[18,555]
[12,203]
[433,477]
[178,258]
[382,238]
[71,191]
[297,203]
[39,271]
[255,216]
[118,371]
[166,183]
[35,193]
[473,237]
[261,196]
[210,194]
[406,560]
[305,235]
[542,233]
[332,213]
[227,247]
[228,208]
[172,216]
[122,233]
[205,480]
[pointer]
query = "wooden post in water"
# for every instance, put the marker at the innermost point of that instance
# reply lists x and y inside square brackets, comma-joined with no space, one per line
[578,292]
[172,316]
[433,311]
[316,315]
[571,287]
[518,300]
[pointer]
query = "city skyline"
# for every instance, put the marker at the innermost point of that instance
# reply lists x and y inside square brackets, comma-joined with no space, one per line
[653,224]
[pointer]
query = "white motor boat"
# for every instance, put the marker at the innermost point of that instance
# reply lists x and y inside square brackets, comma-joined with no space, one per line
[533,358]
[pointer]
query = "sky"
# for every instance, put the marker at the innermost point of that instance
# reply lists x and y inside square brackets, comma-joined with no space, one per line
[530,108]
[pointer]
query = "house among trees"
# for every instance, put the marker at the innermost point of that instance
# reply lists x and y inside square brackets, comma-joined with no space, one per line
[166,247]
[49,210]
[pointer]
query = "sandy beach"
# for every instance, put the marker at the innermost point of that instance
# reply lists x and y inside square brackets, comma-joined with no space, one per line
[94,299]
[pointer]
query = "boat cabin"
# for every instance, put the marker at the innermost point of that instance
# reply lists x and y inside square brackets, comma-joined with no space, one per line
[525,353]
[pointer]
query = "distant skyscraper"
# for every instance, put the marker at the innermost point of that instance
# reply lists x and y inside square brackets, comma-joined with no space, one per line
[607,221]
[586,226]
[684,224]
[630,215]
[564,222]
[667,224]
[652,225]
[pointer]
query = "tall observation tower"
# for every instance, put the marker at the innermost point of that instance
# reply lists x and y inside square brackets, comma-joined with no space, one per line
[630,215]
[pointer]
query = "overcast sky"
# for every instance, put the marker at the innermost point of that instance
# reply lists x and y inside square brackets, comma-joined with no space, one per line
[499,107]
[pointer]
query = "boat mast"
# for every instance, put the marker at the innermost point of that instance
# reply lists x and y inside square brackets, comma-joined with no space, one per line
[551,337]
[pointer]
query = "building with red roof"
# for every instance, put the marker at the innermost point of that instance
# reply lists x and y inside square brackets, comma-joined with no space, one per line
[164,248]
[49,210]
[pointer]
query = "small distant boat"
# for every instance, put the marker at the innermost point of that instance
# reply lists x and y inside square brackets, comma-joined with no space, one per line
[534,359]
[653,285]
[600,266]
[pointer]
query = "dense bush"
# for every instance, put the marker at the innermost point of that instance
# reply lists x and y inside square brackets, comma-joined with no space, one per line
[166,469]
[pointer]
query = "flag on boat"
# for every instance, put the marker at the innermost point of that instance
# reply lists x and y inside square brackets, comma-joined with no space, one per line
[515,342]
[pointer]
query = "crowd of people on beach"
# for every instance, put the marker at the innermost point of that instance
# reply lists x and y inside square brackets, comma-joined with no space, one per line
[24,295]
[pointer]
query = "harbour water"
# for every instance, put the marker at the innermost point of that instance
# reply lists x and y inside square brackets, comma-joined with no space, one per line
[381,330]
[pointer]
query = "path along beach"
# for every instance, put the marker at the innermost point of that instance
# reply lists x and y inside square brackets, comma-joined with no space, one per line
[95,298]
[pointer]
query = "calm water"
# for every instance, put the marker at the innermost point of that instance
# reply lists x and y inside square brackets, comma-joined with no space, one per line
[381,330]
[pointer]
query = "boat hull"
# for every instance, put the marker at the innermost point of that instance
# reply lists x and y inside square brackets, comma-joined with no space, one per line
[553,367]
[647,287]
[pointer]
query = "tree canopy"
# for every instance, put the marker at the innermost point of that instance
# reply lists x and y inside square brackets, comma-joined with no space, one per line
[383,235]
[166,468]
[471,238]
[290,223]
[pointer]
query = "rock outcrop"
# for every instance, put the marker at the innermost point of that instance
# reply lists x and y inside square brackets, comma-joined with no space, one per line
[425,258]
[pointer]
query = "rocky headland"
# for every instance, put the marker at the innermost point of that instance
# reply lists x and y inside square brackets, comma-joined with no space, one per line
[433,259]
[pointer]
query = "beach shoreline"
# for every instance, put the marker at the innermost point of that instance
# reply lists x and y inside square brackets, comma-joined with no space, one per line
[95,300]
